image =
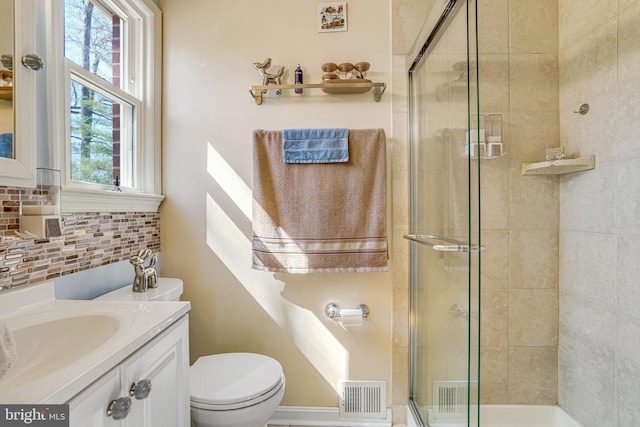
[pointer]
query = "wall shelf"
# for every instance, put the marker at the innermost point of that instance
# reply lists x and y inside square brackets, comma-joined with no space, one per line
[6,92]
[258,91]
[559,167]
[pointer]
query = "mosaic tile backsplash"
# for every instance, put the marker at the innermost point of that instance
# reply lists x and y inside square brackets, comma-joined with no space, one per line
[88,240]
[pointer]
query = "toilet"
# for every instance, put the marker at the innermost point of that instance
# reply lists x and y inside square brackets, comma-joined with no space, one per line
[228,389]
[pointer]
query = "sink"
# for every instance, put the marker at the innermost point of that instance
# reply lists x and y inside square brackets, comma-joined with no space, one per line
[45,347]
[63,346]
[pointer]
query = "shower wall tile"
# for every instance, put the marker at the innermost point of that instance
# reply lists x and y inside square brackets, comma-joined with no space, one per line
[628,365]
[533,318]
[600,327]
[407,22]
[591,342]
[534,259]
[628,41]
[399,82]
[579,18]
[589,266]
[494,377]
[594,133]
[494,203]
[628,197]
[456,36]
[400,317]
[589,200]
[491,38]
[495,315]
[534,202]
[627,289]
[533,26]
[495,260]
[400,370]
[628,108]
[585,392]
[589,65]
[530,134]
[399,150]
[494,93]
[533,375]
[533,82]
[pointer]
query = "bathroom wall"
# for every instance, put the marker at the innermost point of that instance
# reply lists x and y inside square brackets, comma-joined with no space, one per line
[208,117]
[518,44]
[599,368]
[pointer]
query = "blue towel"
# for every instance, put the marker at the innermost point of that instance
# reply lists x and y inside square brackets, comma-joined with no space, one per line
[6,145]
[315,145]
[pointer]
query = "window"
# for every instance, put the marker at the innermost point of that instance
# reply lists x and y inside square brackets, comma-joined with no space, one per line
[111,75]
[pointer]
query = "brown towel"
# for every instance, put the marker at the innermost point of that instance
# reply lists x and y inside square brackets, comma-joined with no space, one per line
[320,218]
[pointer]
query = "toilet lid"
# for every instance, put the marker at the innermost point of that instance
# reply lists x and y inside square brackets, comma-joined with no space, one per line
[228,378]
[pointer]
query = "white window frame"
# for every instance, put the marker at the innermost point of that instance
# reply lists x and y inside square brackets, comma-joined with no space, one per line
[144,81]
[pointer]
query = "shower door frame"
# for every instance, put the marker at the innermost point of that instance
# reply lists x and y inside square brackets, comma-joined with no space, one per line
[472,249]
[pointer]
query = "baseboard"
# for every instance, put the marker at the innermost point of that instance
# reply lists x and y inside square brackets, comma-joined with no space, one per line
[322,416]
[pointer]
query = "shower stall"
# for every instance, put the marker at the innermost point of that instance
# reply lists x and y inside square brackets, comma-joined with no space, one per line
[447,139]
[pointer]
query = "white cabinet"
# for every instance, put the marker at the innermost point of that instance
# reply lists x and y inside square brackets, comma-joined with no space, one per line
[20,169]
[164,361]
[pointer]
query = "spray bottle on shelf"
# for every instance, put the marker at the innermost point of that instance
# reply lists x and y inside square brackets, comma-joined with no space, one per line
[298,78]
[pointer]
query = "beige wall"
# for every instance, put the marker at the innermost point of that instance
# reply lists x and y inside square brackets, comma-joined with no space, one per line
[208,118]
[599,216]
[519,213]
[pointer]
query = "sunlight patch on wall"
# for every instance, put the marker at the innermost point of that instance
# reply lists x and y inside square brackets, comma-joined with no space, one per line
[229,180]
[235,187]
[233,248]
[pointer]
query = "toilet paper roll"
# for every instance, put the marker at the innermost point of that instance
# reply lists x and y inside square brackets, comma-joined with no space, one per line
[351,317]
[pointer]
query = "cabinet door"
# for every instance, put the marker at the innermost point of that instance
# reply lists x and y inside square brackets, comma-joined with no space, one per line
[20,113]
[165,362]
[89,408]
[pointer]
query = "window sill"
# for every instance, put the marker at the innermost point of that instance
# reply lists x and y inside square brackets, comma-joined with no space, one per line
[75,200]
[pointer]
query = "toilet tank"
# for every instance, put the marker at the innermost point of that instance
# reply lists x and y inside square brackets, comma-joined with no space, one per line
[169,289]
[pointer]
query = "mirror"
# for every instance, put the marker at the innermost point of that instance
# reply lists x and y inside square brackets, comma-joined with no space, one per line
[6,79]
[17,94]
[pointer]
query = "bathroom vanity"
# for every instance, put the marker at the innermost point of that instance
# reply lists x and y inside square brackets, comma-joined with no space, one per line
[165,363]
[99,357]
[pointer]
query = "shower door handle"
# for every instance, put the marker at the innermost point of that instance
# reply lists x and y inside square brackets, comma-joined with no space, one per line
[443,244]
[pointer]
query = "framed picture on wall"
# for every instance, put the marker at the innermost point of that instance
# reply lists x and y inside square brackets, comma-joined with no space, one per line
[332,17]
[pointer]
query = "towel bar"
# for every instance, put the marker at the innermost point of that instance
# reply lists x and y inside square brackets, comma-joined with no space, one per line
[451,245]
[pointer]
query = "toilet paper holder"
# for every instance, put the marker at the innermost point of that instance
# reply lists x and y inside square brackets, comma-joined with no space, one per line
[332,311]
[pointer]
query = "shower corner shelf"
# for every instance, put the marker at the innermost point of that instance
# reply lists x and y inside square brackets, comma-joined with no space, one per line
[559,167]
[258,92]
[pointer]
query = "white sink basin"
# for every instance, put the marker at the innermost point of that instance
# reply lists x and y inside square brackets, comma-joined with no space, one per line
[45,347]
[63,346]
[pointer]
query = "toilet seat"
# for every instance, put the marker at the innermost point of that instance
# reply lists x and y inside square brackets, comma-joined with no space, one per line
[227,381]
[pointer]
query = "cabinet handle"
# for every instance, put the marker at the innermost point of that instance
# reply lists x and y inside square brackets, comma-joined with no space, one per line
[119,409]
[32,62]
[141,389]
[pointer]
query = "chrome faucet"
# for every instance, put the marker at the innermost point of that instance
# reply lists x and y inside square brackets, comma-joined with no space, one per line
[145,276]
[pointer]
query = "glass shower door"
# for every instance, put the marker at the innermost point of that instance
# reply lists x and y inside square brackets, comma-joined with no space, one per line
[445,223]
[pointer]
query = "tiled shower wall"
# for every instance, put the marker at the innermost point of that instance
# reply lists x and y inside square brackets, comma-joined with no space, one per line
[599,367]
[88,240]
[518,64]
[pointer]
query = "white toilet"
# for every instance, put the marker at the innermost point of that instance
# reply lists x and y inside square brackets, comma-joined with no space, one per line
[229,389]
